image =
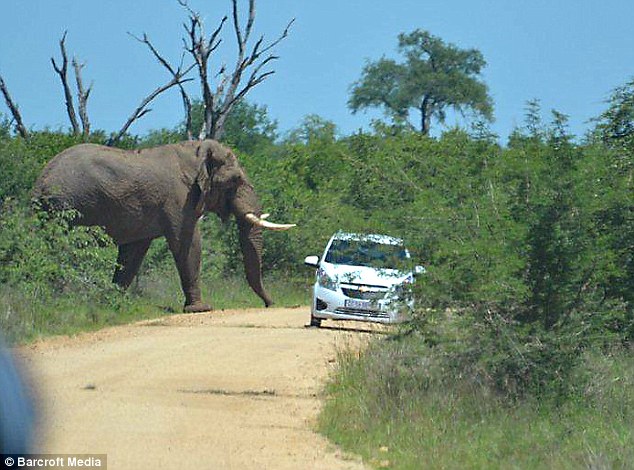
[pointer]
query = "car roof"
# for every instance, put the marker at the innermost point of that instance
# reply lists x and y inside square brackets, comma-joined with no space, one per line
[373,237]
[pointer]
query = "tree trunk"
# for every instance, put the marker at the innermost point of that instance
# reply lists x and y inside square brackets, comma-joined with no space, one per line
[425,115]
[15,112]
[62,71]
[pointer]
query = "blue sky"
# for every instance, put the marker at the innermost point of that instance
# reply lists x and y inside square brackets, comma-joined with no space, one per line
[569,54]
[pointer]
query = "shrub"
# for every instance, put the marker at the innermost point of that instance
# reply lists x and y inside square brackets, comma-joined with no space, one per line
[44,261]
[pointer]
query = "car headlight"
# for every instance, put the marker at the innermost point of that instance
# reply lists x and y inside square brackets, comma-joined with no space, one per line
[325,281]
[404,290]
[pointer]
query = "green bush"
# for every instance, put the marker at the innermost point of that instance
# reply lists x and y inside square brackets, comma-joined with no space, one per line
[44,261]
[399,406]
[39,251]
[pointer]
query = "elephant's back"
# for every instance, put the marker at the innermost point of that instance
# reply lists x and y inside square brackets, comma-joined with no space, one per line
[91,178]
[74,163]
[91,167]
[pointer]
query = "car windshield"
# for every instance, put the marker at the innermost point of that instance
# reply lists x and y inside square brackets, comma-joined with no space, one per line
[366,253]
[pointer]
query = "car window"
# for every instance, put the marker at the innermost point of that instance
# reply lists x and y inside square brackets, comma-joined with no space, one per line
[366,253]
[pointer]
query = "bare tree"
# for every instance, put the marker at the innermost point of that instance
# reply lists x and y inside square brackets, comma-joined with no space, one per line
[82,93]
[82,98]
[142,109]
[15,112]
[187,103]
[222,90]
[62,71]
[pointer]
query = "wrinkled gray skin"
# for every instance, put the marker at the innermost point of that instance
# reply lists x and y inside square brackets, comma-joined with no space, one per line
[141,195]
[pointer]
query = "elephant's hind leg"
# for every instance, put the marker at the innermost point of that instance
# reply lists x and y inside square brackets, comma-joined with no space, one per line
[129,261]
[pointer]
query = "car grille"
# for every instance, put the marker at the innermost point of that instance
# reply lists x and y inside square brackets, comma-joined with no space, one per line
[361,313]
[363,294]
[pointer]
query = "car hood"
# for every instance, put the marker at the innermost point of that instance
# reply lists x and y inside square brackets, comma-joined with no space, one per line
[365,275]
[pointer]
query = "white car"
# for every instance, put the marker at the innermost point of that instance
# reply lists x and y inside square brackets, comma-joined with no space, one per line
[362,277]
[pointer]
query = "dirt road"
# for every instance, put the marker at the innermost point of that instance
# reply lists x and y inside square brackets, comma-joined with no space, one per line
[225,390]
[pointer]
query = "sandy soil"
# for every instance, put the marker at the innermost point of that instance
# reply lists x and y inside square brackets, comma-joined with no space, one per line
[224,390]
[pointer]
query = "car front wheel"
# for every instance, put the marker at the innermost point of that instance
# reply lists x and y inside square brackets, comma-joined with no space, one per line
[315,322]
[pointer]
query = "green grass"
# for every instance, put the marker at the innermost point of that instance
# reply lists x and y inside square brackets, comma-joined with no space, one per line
[26,314]
[222,292]
[26,318]
[394,408]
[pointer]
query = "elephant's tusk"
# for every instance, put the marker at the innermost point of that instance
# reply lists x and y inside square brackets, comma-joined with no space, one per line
[255,220]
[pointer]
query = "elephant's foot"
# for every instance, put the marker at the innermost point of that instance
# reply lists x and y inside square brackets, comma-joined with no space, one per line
[197,308]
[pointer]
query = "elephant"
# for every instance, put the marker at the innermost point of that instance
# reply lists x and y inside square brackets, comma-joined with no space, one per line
[140,195]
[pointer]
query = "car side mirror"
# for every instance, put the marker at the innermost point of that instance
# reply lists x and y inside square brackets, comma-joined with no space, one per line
[312,261]
[418,270]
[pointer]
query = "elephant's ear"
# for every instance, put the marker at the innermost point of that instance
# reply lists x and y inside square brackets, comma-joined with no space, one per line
[218,170]
[203,177]
[202,185]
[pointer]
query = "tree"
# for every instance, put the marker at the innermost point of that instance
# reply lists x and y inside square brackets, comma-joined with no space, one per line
[82,93]
[313,128]
[612,182]
[222,90]
[249,128]
[178,78]
[15,112]
[616,125]
[435,76]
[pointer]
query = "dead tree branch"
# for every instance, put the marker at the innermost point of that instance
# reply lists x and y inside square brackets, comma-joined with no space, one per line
[187,104]
[201,49]
[218,103]
[142,109]
[82,98]
[62,71]
[15,112]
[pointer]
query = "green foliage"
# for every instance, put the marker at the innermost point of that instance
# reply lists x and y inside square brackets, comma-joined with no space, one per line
[43,260]
[399,407]
[517,245]
[157,137]
[313,130]
[5,127]
[248,127]
[57,257]
[435,76]
[616,125]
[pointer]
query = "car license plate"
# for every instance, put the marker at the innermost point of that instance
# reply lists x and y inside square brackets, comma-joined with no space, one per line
[360,304]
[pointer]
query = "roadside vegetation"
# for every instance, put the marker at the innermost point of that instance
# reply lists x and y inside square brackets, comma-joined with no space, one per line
[520,354]
[400,406]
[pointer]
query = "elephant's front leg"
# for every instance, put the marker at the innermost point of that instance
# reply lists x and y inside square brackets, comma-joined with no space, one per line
[186,250]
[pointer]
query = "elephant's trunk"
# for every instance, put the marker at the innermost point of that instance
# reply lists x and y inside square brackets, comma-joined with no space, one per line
[252,244]
[251,241]
[251,222]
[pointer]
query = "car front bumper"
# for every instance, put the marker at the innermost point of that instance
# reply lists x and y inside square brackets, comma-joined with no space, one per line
[334,305]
